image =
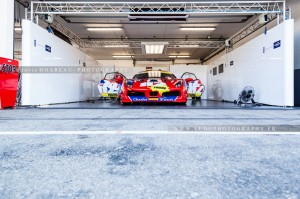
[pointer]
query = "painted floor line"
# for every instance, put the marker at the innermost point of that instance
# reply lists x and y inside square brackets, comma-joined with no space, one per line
[158,118]
[146,132]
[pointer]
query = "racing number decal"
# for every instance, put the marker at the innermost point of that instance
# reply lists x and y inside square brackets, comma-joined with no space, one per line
[113,87]
[7,68]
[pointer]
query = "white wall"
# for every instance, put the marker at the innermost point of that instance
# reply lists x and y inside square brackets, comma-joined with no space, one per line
[43,88]
[295,6]
[199,70]
[270,73]
[7,28]
[126,67]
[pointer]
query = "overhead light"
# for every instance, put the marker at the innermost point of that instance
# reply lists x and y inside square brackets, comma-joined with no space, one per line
[198,28]
[122,56]
[179,56]
[18,29]
[116,46]
[104,29]
[154,47]
[188,46]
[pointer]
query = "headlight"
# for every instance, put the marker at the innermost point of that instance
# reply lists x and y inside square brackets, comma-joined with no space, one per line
[129,82]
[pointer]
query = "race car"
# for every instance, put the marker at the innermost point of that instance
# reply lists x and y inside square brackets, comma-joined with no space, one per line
[195,88]
[110,86]
[154,86]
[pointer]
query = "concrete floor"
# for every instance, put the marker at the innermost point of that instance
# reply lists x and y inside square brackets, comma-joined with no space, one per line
[150,166]
[169,165]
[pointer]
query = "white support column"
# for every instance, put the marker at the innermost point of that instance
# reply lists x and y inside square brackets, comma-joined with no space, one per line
[7,29]
[284,10]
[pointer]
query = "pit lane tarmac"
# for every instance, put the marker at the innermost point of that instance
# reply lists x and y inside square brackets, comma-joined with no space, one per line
[203,104]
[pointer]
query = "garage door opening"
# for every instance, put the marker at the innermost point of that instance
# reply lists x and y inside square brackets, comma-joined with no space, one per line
[227,50]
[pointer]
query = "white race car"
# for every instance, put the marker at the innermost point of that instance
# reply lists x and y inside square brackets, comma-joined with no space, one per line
[195,88]
[110,86]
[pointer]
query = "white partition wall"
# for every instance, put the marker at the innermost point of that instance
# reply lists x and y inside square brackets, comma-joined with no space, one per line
[7,29]
[127,68]
[265,63]
[199,70]
[41,48]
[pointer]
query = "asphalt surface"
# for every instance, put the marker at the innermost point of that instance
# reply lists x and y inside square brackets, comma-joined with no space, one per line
[150,166]
[168,165]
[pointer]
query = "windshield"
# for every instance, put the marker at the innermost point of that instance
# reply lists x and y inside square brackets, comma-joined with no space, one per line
[168,76]
[188,75]
[146,75]
[114,75]
[141,76]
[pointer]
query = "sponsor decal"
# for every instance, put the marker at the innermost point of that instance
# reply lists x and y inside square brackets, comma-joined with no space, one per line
[38,44]
[194,94]
[266,31]
[48,48]
[158,87]
[167,99]
[277,44]
[138,98]
[153,99]
[113,94]
[161,87]
[104,94]
[144,99]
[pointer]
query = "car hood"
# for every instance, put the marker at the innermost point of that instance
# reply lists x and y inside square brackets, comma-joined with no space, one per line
[155,83]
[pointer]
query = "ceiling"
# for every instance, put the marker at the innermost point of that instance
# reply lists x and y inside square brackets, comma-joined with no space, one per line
[226,26]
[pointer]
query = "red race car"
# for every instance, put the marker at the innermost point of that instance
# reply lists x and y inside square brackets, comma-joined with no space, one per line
[154,86]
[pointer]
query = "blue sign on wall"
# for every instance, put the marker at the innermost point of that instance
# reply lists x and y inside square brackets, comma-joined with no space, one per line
[48,48]
[277,44]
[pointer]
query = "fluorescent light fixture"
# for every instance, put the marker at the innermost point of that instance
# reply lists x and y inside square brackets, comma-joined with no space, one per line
[179,56]
[198,28]
[18,29]
[122,56]
[154,47]
[189,46]
[116,46]
[105,29]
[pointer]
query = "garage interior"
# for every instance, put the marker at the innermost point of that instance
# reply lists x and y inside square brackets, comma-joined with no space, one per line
[61,141]
[213,40]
